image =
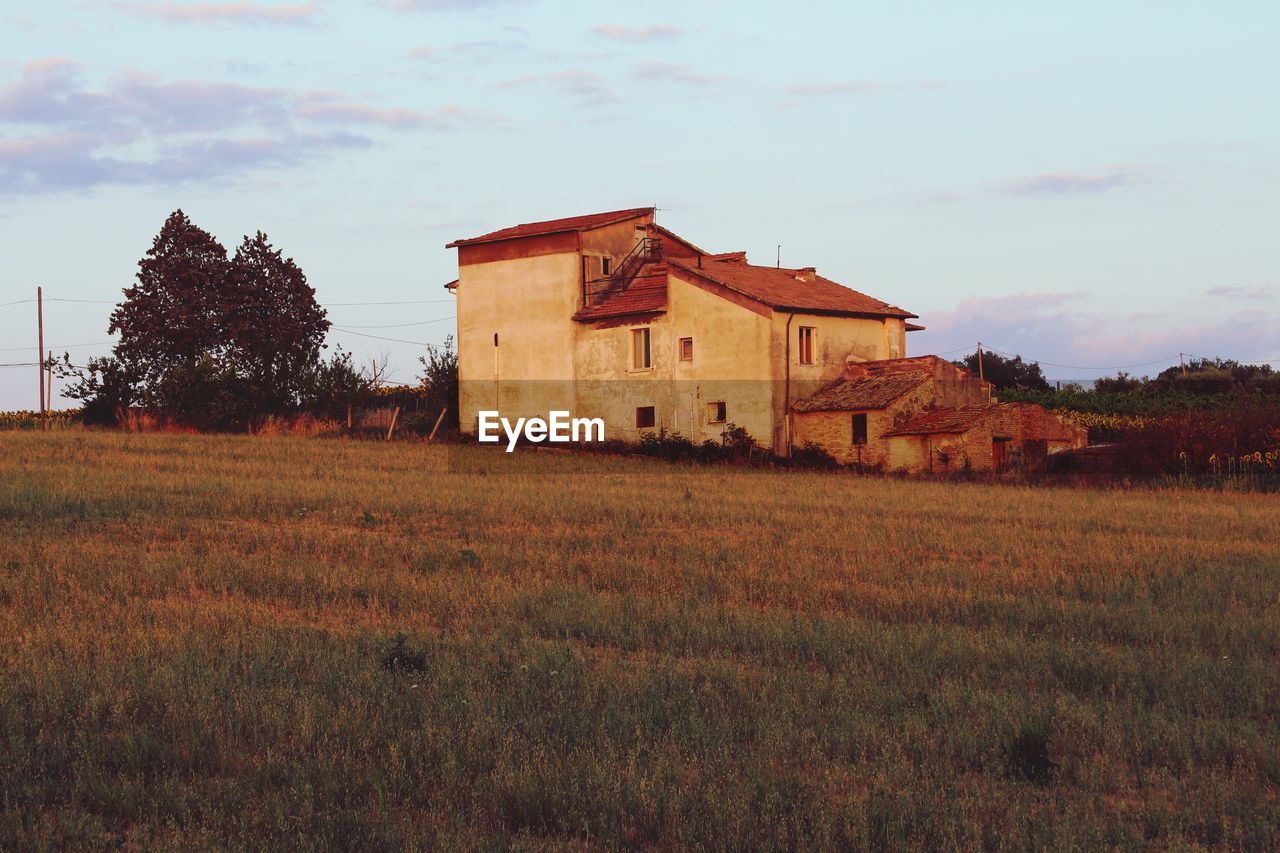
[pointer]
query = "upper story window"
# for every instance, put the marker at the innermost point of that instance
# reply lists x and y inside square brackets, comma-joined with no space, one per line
[606,265]
[686,349]
[805,349]
[641,353]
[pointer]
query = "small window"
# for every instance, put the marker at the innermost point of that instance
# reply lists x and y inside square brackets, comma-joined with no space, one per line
[686,349]
[606,266]
[806,345]
[860,428]
[641,355]
[644,417]
[716,412]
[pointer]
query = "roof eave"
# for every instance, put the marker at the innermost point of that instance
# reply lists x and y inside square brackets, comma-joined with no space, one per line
[476,241]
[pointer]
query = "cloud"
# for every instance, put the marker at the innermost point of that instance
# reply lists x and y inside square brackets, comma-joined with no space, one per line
[1074,342]
[246,12]
[1245,291]
[847,87]
[140,129]
[445,118]
[470,53]
[674,72]
[1071,183]
[446,5]
[589,87]
[652,32]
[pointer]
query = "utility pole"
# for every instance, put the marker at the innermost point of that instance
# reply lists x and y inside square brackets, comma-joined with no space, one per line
[40,351]
[980,374]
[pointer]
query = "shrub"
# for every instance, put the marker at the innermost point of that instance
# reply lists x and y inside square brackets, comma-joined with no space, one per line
[1027,752]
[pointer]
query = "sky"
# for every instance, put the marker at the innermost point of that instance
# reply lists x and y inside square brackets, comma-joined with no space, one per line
[1095,186]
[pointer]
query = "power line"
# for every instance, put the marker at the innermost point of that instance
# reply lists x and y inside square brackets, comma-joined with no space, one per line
[400,325]
[59,346]
[393,340]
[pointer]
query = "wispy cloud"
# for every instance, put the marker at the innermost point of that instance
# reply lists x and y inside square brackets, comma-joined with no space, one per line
[1071,183]
[446,118]
[447,5]
[1073,341]
[141,129]
[470,53]
[652,32]
[590,88]
[1248,292]
[243,12]
[809,90]
[674,72]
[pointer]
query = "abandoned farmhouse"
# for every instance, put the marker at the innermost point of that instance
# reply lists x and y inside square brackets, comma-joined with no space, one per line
[611,315]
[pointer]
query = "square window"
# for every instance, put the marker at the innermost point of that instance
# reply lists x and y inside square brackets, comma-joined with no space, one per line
[805,350]
[641,355]
[686,349]
[645,417]
[860,428]
[716,412]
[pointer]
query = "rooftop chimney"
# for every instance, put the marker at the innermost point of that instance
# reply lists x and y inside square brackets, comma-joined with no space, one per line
[807,274]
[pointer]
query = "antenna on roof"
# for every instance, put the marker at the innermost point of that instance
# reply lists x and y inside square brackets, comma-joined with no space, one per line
[779,256]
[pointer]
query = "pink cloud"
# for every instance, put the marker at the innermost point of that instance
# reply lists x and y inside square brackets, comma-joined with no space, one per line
[588,86]
[674,72]
[1071,342]
[243,12]
[652,32]
[1068,183]
[445,118]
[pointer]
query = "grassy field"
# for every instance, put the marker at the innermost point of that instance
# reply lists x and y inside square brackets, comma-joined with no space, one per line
[199,649]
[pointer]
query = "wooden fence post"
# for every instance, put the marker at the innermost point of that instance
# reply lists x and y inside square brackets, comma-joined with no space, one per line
[392,428]
[437,426]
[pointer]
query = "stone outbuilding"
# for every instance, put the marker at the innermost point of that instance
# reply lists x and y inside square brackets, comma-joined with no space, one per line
[992,437]
[925,414]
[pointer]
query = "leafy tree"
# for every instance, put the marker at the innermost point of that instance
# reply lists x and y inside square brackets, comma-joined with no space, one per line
[213,342]
[440,378]
[1003,372]
[274,328]
[328,387]
[174,314]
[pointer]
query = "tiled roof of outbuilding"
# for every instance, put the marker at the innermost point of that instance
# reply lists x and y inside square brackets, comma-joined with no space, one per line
[868,392]
[946,420]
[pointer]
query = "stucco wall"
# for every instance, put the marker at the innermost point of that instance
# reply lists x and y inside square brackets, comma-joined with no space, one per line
[529,303]
[730,363]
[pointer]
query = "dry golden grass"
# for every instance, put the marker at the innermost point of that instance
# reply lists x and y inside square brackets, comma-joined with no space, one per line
[612,652]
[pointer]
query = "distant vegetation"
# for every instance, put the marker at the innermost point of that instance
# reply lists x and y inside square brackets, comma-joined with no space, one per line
[1212,421]
[218,642]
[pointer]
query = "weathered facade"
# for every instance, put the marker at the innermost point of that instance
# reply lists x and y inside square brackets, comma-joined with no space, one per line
[927,415]
[612,316]
[992,437]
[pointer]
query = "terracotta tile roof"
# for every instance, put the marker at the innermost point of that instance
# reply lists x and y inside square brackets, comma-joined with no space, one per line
[945,420]
[555,226]
[647,294]
[870,392]
[782,289]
